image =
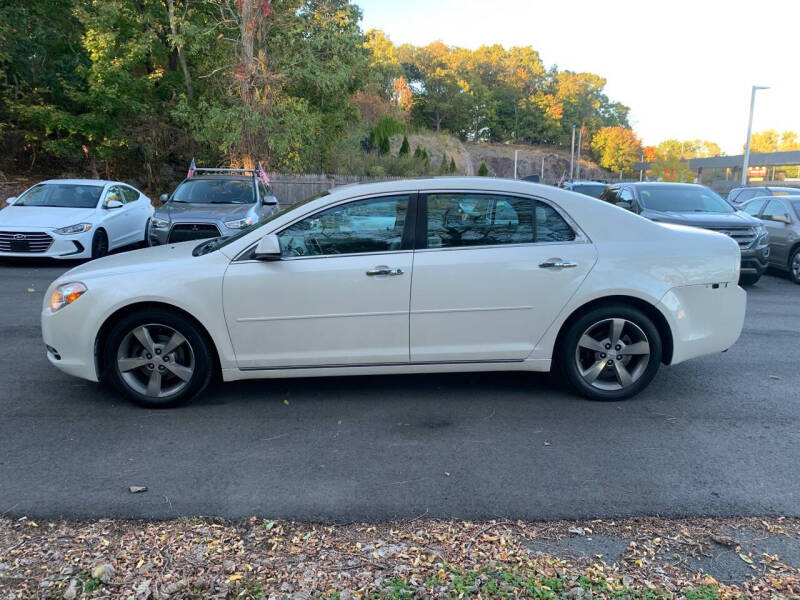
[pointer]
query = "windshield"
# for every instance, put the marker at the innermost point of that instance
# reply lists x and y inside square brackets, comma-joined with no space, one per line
[589,189]
[61,195]
[217,243]
[682,199]
[215,191]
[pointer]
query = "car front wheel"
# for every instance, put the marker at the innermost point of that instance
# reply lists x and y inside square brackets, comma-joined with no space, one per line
[157,358]
[794,265]
[610,353]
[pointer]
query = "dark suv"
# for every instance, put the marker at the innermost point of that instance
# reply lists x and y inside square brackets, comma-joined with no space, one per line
[697,206]
[740,195]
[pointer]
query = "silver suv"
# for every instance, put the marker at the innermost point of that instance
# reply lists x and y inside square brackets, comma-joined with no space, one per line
[211,203]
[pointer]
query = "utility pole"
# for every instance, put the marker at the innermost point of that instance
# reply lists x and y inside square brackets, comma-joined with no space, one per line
[641,171]
[541,178]
[578,166]
[515,163]
[746,162]
[572,154]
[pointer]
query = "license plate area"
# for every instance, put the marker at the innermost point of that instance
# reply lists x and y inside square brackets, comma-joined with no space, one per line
[20,246]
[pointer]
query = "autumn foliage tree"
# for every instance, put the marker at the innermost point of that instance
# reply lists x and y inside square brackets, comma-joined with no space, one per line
[616,148]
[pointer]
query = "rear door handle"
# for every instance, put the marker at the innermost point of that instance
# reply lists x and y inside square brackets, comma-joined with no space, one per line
[557,263]
[384,270]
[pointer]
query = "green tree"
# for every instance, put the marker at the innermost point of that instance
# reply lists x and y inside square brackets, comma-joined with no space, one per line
[483,170]
[452,168]
[404,148]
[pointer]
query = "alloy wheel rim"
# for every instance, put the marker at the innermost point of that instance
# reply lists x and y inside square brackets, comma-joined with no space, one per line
[612,354]
[155,360]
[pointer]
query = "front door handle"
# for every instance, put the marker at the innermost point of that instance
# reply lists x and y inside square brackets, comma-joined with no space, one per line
[384,270]
[557,263]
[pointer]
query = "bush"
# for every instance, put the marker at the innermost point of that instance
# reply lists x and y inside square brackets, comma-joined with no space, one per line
[483,170]
[404,148]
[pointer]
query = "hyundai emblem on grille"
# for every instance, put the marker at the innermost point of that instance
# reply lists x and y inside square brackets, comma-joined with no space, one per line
[19,236]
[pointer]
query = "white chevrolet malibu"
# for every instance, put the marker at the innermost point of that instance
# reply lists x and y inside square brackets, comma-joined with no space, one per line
[73,218]
[418,276]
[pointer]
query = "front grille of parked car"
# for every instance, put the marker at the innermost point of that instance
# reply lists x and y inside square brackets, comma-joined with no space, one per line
[192,231]
[24,241]
[744,236]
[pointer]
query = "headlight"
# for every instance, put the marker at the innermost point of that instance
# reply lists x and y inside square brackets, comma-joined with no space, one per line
[65,294]
[159,223]
[239,223]
[761,235]
[78,228]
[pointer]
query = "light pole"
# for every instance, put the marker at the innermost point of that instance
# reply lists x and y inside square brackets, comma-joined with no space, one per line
[515,163]
[572,154]
[746,162]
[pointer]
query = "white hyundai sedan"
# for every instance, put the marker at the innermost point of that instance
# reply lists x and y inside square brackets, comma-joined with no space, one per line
[418,276]
[73,218]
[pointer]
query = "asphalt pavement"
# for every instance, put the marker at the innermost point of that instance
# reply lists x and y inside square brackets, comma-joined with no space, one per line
[719,435]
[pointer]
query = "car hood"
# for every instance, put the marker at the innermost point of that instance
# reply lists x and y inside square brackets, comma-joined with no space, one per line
[185,212]
[135,260]
[698,219]
[48,217]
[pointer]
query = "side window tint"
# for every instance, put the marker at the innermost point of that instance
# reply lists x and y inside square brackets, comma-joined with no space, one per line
[551,226]
[775,207]
[611,195]
[625,199]
[130,194]
[462,219]
[752,208]
[373,225]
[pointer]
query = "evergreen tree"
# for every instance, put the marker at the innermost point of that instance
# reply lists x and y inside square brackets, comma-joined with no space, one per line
[483,170]
[443,167]
[404,148]
[452,165]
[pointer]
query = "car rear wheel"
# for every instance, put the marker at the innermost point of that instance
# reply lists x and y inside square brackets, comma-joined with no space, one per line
[99,244]
[610,353]
[794,265]
[157,358]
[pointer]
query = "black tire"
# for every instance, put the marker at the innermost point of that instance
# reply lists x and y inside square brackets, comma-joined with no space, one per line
[749,279]
[146,240]
[794,259]
[99,244]
[568,352]
[199,348]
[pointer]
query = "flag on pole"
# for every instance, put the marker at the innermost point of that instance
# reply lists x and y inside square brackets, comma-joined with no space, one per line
[563,178]
[192,168]
[262,174]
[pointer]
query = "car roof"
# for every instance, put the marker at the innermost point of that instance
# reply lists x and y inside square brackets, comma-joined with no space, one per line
[587,182]
[221,176]
[95,182]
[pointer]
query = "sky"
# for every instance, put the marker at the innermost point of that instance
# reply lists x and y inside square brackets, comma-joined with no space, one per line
[685,68]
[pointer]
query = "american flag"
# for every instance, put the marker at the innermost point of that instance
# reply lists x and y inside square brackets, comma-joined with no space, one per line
[192,168]
[562,180]
[262,174]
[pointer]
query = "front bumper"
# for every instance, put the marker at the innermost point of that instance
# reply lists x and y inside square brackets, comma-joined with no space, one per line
[755,260]
[704,319]
[69,335]
[157,236]
[63,246]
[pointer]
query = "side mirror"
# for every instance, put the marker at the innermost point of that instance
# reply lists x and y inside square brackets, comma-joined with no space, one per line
[270,200]
[113,204]
[626,204]
[268,248]
[163,198]
[11,200]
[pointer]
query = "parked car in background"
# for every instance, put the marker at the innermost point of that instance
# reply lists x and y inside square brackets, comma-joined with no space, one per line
[506,276]
[781,216]
[697,206]
[740,195]
[589,188]
[212,203]
[73,218]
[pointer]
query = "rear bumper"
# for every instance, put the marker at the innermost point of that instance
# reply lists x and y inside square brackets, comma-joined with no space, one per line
[704,319]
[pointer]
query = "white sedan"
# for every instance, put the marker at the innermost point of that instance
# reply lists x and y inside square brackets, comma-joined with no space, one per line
[420,276]
[73,218]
